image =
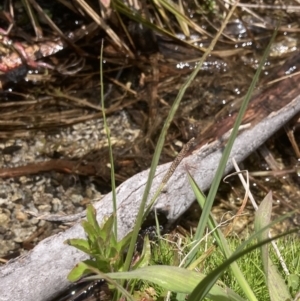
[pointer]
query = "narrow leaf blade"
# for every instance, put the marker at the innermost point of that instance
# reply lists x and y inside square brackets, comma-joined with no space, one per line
[176,279]
[278,290]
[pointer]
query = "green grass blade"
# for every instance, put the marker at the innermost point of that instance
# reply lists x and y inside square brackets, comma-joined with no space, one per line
[201,199]
[91,216]
[111,157]
[203,288]
[161,140]
[176,279]
[222,243]
[159,148]
[220,170]
[155,159]
[278,290]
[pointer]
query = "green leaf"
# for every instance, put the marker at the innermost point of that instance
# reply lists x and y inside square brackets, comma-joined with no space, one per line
[176,279]
[124,243]
[102,264]
[222,243]
[80,244]
[278,290]
[81,269]
[201,199]
[89,230]
[294,282]
[101,275]
[91,216]
[106,229]
[112,240]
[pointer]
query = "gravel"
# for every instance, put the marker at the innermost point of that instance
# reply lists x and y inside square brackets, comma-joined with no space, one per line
[50,192]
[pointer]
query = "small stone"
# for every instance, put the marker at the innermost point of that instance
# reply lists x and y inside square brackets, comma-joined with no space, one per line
[7,158]
[40,188]
[23,180]
[3,218]
[3,201]
[29,186]
[21,216]
[41,223]
[40,182]
[22,234]
[6,247]
[44,208]
[34,221]
[2,230]
[85,201]
[8,235]
[56,205]
[17,196]
[76,199]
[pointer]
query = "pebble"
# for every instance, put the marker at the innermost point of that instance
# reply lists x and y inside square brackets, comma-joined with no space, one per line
[23,179]
[17,196]
[76,199]
[41,223]
[34,221]
[4,219]
[22,234]
[6,246]
[21,216]
[56,205]
[3,200]
[44,208]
